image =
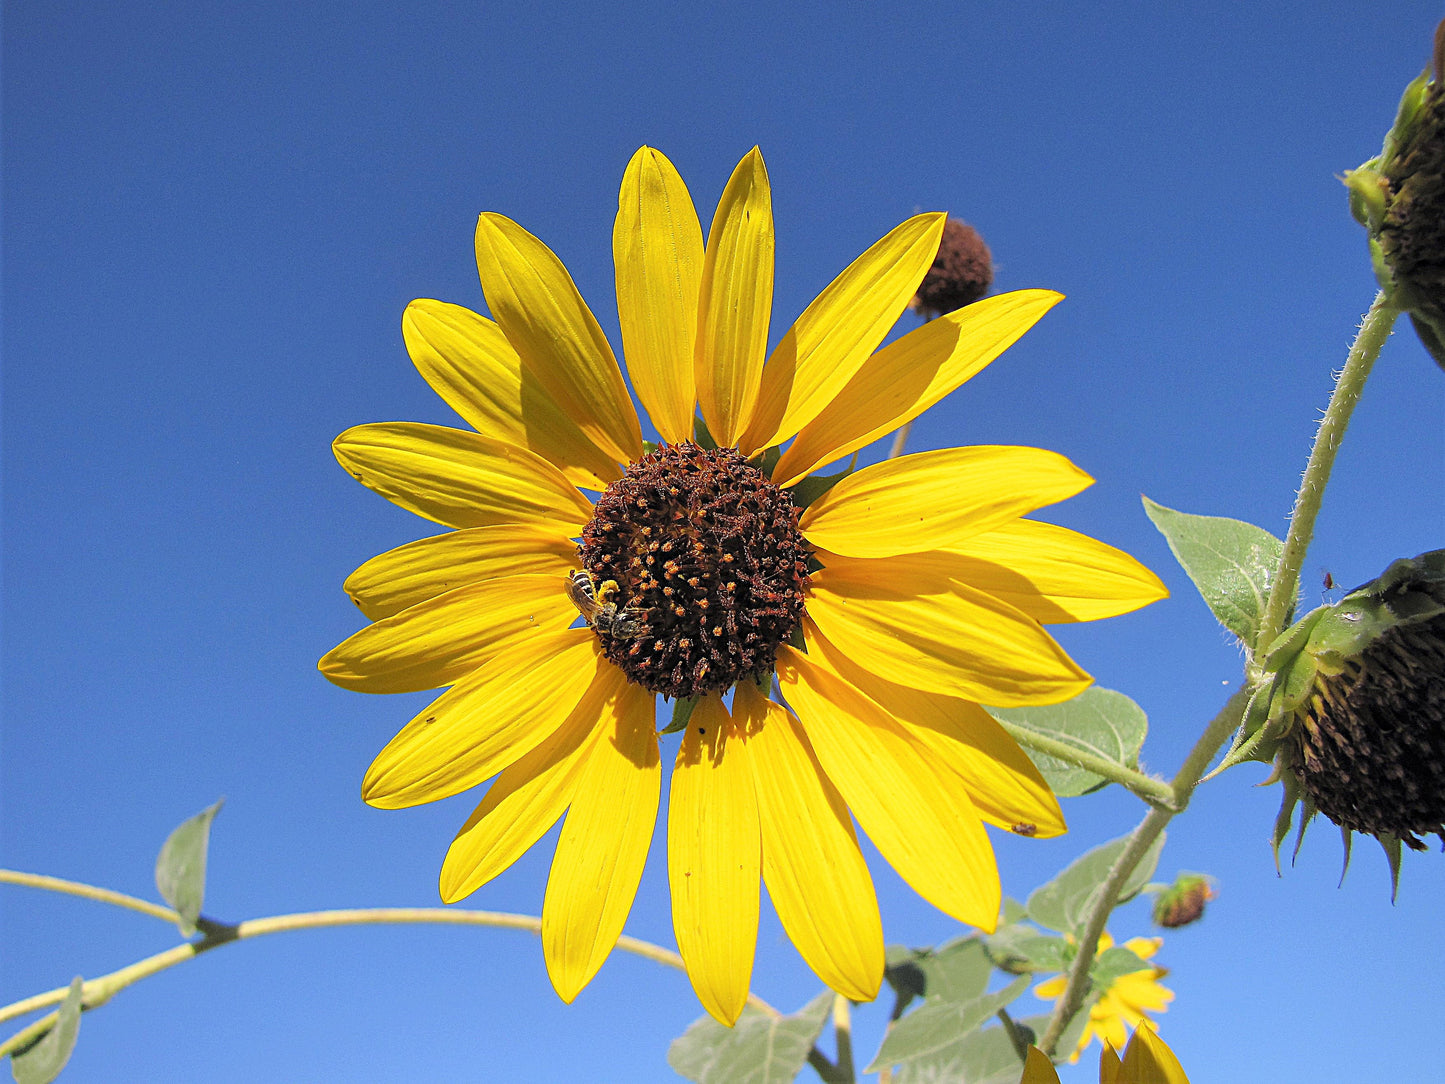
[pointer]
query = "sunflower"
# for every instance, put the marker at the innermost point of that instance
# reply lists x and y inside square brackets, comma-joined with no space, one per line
[887,606]
[1127,1001]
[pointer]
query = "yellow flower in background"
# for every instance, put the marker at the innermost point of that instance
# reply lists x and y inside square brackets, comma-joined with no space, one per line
[1146,1061]
[1127,1001]
[888,608]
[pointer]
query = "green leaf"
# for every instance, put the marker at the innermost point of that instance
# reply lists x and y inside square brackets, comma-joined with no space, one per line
[1064,903]
[1099,721]
[1113,962]
[41,1062]
[759,1049]
[181,867]
[935,1030]
[980,1057]
[1231,562]
[1021,949]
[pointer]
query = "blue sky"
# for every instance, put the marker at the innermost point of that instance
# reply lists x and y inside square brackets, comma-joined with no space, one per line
[213,218]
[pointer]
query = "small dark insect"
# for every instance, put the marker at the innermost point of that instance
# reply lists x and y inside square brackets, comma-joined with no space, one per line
[596,603]
[1024,828]
[1329,581]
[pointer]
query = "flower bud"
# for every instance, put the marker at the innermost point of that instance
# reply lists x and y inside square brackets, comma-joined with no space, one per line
[1399,197]
[1183,902]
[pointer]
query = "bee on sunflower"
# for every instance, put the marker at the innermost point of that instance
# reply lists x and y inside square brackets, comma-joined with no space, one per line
[887,605]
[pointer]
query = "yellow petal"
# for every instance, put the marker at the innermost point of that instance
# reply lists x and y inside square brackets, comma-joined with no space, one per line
[814,871]
[461,479]
[735,302]
[714,857]
[442,640]
[526,799]
[558,339]
[1005,786]
[930,500]
[907,619]
[483,724]
[429,567]
[603,846]
[908,376]
[1109,1065]
[1149,1061]
[837,332]
[1054,574]
[916,812]
[1038,1069]
[469,363]
[1051,988]
[657,250]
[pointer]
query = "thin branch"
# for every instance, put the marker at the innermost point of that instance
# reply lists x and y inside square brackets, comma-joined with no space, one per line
[1154,791]
[98,991]
[1140,840]
[89,892]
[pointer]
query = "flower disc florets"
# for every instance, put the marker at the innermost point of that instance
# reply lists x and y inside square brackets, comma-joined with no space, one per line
[709,564]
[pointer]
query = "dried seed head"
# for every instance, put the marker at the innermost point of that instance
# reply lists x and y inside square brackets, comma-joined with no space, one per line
[961,273]
[1399,197]
[1368,744]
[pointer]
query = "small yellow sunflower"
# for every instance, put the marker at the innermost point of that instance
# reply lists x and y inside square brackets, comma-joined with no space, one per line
[1148,1060]
[1125,1004]
[888,608]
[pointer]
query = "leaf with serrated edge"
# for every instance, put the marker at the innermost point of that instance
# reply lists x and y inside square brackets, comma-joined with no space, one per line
[1064,903]
[41,1062]
[1099,721]
[1231,562]
[759,1049]
[181,867]
[936,1028]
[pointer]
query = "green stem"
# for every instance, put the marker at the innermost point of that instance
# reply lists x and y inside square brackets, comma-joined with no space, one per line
[843,1032]
[89,892]
[1154,791]
[1374,330]
[100,990]
[1140,840]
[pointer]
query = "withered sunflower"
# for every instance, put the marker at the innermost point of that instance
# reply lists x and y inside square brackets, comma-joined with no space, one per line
[888,606]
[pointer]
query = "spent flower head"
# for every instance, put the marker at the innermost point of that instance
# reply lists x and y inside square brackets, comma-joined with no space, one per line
[1399,196]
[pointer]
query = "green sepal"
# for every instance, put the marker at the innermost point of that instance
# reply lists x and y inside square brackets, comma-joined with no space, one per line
[814,486]
[1391,845]
[1292,793]
[681,713]
[700,435]
[42,1061]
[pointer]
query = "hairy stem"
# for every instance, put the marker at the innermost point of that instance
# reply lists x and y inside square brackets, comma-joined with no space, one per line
[1140,840]
[1374,330]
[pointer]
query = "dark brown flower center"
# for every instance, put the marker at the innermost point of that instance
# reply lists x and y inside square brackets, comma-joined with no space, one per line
[710,569]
